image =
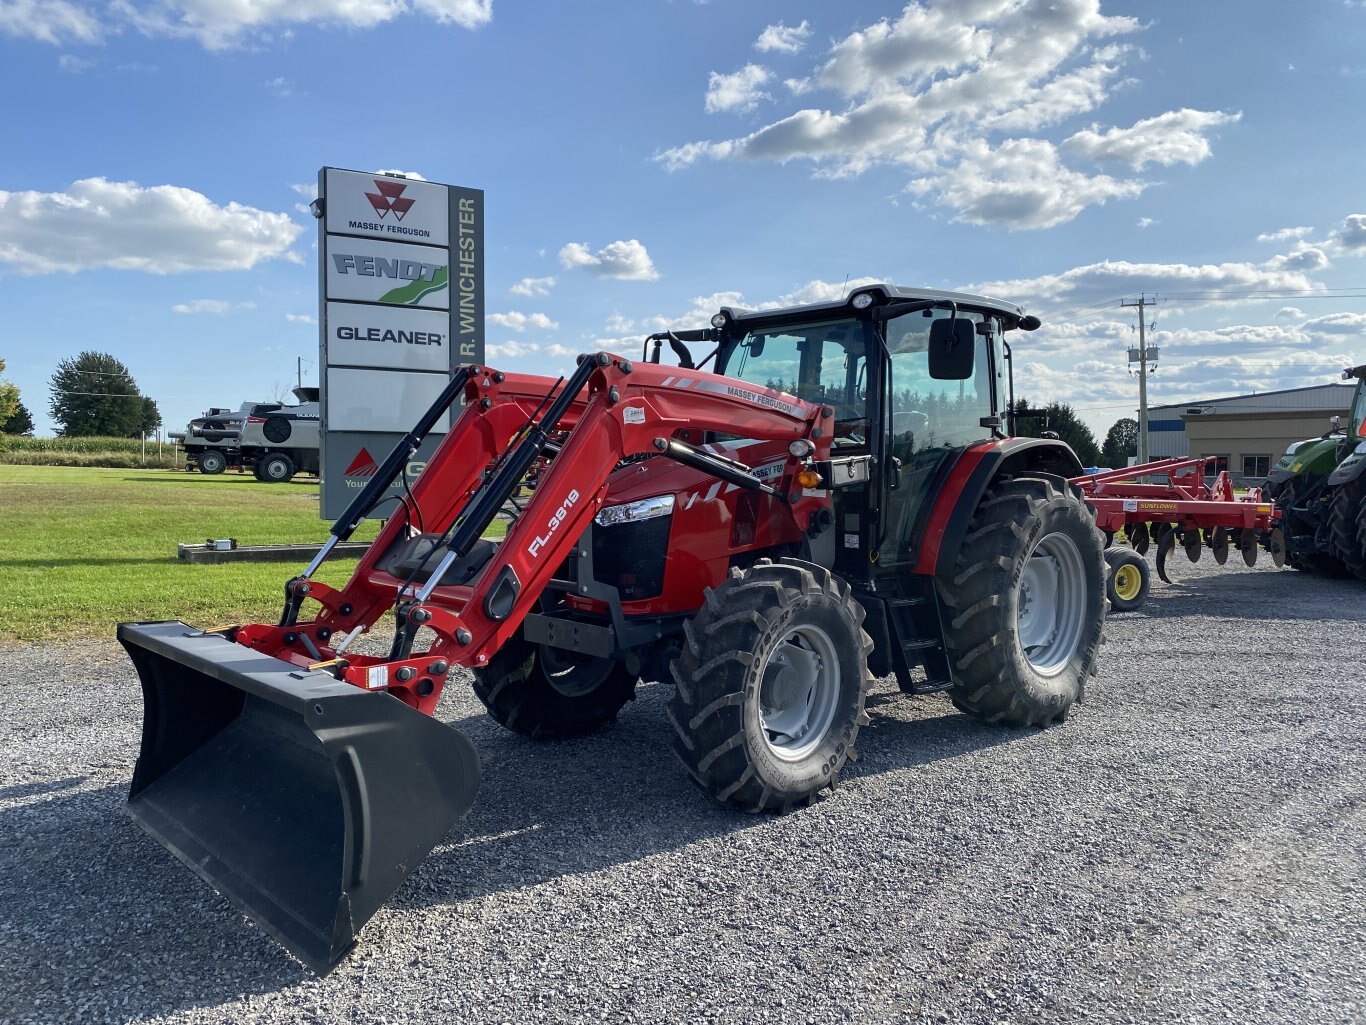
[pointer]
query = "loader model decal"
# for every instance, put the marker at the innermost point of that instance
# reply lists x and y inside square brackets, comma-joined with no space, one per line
[553,524]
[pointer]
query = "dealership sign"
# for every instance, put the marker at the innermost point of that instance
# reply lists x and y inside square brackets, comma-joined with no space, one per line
[401,278]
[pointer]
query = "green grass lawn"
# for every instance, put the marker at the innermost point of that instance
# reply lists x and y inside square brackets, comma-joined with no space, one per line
[83,549]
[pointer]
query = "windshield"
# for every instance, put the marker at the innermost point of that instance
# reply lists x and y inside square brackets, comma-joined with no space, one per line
[929,413]
[821,362]
[1358,420]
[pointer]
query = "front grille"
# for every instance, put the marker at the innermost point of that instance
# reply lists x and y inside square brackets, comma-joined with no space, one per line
[631,556]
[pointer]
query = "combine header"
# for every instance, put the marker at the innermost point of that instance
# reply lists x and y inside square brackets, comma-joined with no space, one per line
[1184,512]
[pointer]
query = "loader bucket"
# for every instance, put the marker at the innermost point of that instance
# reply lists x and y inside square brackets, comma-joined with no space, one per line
[303,800]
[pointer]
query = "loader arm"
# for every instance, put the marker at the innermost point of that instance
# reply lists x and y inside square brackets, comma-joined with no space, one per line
[610,410]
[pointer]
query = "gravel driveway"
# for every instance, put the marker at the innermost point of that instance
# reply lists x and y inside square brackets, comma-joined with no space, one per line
[1189,846]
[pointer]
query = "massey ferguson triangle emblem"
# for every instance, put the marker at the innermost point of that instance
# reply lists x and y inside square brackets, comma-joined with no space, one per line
[390,198]
[363,465]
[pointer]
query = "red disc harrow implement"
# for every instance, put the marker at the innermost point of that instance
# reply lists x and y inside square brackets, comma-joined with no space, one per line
[1183,512]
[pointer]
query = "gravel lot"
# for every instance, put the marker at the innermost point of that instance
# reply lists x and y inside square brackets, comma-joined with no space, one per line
[1190,846]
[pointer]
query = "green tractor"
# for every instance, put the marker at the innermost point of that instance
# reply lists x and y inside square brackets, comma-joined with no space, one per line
[1320,487]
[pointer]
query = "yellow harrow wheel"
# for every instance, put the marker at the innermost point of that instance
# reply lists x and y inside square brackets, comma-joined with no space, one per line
[1126,582]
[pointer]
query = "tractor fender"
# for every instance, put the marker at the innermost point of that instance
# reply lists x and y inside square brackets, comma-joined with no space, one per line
[967,481]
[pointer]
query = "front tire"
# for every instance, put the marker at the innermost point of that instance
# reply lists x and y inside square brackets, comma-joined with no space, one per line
[1347,505]
[212,462]
[771,686]
[549,694]
[1024,604]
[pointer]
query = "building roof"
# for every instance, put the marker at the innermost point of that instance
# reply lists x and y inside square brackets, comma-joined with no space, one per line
[1317,396]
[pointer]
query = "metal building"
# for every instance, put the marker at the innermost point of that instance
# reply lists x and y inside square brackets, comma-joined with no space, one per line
[1247,433]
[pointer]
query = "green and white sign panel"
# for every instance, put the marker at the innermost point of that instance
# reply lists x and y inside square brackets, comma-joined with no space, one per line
[401,283]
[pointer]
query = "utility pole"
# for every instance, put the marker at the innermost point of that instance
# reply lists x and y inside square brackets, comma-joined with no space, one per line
[1141,357]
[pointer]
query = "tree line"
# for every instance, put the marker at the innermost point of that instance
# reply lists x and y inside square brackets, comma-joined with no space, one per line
[90,395]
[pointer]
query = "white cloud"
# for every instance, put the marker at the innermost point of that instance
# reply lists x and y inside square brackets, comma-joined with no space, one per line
[1146,222]
[163,229]
[522,321]
[281,87]
[1337,324]
[533,286]
[1284,234]
[740,91]
[224,24]
[1176,137]
[782,39]
[1303,257]
[618,324]
[1352,234]
[214,307]
[1110,281]
[70,64]
[1290,313]
[49,21]
[300,318]
[1022,184]
[627,261]
[945,83]
[511,349]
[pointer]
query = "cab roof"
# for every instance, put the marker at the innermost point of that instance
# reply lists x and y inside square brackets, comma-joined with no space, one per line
[1010,313]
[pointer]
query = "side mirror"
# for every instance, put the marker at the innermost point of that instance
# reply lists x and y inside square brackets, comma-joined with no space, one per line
[951,344]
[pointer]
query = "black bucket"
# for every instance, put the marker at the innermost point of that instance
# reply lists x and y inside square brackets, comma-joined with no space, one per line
[303,800]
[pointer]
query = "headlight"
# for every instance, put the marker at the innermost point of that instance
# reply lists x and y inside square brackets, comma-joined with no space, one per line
[634,512]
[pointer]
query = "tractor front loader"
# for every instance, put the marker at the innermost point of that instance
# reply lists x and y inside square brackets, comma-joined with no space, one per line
[833,500]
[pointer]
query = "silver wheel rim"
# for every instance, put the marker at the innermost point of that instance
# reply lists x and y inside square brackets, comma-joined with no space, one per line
[1050,603]
[798,693]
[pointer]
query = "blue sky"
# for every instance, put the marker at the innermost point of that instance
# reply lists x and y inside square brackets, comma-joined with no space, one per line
[644,162]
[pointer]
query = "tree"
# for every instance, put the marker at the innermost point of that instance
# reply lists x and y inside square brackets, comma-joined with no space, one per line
[94,394]
[151,418]
[1121,442]
[9,397]
[1061,419]
[20,423]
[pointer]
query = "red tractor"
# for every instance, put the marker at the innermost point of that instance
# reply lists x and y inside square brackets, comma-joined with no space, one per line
[823,497]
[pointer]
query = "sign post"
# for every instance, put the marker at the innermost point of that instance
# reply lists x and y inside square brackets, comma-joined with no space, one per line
[401,285]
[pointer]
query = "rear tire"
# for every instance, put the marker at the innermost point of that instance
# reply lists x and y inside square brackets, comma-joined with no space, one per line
[1126,582]
[548,694]
[212,462]
[771,686]
[275,469]
[1024,604]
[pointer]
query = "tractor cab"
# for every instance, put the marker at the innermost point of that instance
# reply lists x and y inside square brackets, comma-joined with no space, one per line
[914,378]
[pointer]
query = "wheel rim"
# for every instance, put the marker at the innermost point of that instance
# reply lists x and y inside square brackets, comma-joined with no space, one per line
[1128,582]
[571,674]
[1050,600]
[799,692]
[275,470]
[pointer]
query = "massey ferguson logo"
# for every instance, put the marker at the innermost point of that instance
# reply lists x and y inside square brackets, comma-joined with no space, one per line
[363,465]
[389,199]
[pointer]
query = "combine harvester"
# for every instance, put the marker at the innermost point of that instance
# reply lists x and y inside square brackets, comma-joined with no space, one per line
[1184,512]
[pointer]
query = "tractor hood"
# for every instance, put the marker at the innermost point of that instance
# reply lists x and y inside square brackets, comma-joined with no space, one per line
[659,475]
